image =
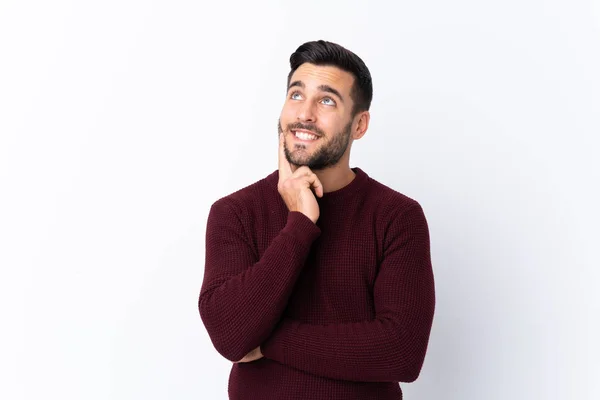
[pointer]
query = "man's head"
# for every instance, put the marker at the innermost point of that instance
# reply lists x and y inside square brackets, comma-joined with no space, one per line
[329,92]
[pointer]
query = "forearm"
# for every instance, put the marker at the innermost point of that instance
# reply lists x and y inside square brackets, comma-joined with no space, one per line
[381,350]
[392,346]
[240,310]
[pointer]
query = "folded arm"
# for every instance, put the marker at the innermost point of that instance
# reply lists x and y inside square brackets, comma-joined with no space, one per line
[390,347]
[243,297]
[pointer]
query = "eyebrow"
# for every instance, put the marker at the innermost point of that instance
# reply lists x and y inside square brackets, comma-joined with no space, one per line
[323,88]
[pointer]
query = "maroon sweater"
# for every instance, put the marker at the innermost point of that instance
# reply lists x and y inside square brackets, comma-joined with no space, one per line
[341,309]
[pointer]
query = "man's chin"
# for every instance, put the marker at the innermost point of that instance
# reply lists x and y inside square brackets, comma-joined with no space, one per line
[311,166]
[296,161]
[298,164]
[310,162]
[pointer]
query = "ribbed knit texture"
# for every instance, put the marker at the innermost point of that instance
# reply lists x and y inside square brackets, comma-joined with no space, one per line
[341,309]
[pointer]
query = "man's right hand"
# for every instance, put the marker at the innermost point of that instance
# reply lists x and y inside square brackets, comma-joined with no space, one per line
[296,187]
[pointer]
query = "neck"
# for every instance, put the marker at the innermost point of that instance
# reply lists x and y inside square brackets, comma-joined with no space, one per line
[335,177]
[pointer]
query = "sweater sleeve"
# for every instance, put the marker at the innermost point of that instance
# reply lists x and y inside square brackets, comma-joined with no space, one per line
[242,297]
[392,346]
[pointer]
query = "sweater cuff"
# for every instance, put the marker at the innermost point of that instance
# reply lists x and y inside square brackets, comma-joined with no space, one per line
[301,227]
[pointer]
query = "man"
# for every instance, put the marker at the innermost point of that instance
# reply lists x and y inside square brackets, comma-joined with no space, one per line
[318,280]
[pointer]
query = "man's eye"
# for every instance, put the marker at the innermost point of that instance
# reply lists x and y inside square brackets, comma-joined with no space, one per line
[328,101]
[295,96]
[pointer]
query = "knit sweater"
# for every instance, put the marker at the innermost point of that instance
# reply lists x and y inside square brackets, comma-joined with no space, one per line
[342,309]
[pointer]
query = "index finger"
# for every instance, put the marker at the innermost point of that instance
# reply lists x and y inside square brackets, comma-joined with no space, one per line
[285,169]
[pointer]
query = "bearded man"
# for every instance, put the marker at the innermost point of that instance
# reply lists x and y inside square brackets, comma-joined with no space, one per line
[318,281]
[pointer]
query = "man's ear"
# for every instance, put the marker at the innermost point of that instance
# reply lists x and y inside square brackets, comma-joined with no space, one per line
[362,124]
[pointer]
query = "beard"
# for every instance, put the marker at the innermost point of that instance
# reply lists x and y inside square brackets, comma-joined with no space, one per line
[327,155]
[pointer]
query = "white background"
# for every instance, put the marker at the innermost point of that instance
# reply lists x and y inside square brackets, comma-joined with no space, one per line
[122,121]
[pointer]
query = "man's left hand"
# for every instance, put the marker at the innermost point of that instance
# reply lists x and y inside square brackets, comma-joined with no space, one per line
[254,355]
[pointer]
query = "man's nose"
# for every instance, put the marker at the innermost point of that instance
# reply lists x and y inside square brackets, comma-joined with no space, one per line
[307,112]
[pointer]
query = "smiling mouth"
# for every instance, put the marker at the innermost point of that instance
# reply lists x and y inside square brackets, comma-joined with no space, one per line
[302,135]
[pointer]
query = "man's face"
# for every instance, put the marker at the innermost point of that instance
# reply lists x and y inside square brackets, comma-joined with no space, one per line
[316,118]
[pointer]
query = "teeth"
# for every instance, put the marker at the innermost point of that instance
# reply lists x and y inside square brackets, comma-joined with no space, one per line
[305,136]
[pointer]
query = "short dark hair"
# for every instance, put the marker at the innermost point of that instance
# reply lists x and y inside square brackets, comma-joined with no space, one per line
[331,54]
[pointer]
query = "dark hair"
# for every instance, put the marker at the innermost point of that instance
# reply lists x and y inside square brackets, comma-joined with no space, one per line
[327,53]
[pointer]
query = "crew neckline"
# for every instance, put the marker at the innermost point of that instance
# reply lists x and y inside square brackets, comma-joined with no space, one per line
[358,182]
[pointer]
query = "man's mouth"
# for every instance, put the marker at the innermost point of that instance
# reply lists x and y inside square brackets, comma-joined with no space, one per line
[305,135]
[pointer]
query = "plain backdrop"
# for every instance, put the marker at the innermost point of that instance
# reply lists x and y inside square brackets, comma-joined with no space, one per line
[121,122]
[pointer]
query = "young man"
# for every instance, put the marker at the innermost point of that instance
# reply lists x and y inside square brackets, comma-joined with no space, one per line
[318,280]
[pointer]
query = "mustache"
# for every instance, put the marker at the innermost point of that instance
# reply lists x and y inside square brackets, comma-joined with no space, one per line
[308,127]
